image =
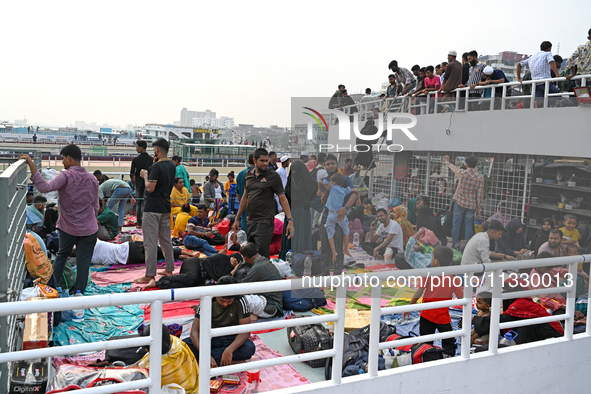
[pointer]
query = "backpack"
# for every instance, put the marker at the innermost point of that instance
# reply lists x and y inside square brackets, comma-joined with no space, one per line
[233,203]
[303,300]
[419,352]
[52,241]
[310,338]
[297,262]
[355,355]
[386,330]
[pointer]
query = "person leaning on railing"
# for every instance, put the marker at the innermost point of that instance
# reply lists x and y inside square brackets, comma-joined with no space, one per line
[78,194]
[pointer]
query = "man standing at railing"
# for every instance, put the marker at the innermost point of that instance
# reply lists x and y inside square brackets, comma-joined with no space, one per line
[476,68]
[405,80]
[581,58]
[468,197]
[143,161]
[78,194]
[453,76]
[540,65]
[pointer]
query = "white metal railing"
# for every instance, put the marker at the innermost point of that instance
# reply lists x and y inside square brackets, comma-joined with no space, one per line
[459,96]
[375,280]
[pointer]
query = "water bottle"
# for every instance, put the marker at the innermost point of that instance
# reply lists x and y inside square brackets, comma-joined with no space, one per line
[388,255]
[66,315]
[289,257]
[508,339]
[78,314]
[307,266]
[356,239]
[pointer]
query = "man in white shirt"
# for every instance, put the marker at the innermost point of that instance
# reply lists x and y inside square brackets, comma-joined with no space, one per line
[129,252]
[388,234]
[540,65]
[282,171]
[477,250]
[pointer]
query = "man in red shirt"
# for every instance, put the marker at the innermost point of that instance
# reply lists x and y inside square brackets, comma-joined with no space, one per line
[467,199]
[438,288]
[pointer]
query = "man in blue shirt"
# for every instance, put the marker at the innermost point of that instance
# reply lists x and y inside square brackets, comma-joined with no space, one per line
[331,167]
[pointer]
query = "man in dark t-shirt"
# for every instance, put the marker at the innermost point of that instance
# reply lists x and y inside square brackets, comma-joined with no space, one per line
[261,186]
[143,161]
[225,312]
[159,180]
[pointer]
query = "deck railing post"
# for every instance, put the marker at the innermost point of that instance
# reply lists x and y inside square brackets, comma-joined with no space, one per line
[204,343]
[156,346]
[374,329]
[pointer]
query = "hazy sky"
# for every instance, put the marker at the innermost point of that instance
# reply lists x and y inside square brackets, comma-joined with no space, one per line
[138,62]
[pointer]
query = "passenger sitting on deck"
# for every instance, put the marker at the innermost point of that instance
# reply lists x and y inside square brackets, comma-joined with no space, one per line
[225,312]
[199,232]
[389,233]
[262,305]
[182,218]
[544,277]
[108,223]
[179,196]
[438,319]
[178,362]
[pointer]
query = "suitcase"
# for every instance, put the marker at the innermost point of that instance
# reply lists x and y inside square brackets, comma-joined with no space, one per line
[310,338]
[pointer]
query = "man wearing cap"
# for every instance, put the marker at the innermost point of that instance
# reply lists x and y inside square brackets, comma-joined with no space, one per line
[282,171]
[304,156]
[491,76]
[453,75]
[213,189]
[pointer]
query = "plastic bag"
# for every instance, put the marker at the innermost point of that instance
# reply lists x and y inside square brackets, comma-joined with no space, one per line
[48,175]
[39,290]
[38,264]
[380,200]
[173,388]
[76,375]
[282,266]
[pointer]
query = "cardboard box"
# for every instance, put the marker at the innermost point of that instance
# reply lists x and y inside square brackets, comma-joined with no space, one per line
[26,377]
[36,334]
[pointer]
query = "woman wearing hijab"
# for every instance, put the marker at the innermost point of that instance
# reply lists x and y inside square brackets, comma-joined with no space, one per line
[412,211]
[500,215]
[300,190]
[512,242]
[541,236]
[311,165]
[399,215]
[426,219]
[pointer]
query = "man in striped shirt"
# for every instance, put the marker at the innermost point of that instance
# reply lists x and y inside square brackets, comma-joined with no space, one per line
[475,75]
[467,199]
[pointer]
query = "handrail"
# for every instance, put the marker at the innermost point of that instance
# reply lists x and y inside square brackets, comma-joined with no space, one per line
[459,91]
[206,294]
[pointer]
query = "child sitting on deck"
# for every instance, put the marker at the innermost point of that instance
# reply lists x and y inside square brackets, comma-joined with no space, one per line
[438,288]
[335,201]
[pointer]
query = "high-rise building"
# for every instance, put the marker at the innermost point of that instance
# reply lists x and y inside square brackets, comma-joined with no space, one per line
[187,116]
[505,61]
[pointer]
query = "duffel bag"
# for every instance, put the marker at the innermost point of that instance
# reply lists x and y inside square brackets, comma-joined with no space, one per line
[310,338]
